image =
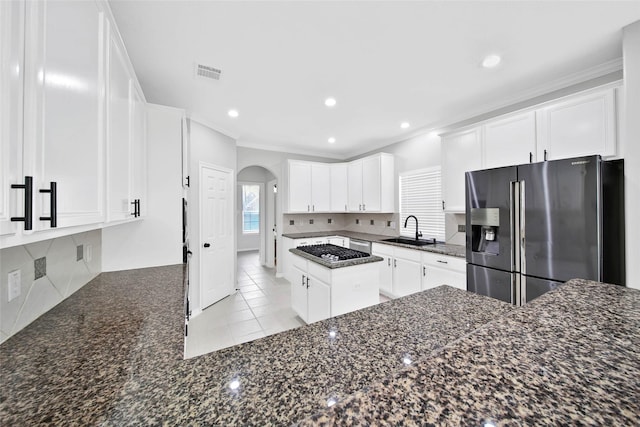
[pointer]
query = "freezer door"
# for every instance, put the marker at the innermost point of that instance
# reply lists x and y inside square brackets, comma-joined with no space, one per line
[560,219]
[532,287]
[489,221]
[492,283]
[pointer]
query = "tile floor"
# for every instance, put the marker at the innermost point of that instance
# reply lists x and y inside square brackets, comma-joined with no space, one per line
[261,307]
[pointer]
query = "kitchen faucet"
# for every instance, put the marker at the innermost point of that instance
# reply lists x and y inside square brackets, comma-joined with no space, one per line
[418,233]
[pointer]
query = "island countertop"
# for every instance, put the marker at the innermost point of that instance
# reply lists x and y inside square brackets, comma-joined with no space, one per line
[336,264]
[111,354]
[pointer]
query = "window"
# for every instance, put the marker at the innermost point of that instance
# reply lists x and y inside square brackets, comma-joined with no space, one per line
[250,208]
[420,195]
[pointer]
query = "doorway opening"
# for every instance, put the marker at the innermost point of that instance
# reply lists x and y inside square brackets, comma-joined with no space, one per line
[256,213]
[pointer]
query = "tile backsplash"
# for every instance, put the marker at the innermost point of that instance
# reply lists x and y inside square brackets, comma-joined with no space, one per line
[59,275]
[383,224]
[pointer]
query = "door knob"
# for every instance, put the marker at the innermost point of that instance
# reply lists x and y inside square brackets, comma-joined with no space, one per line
[206,245]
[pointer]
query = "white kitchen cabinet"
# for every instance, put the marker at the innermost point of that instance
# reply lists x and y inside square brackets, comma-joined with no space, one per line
[339,241]
[119,122]
[318,299]
[299,291]
[371,184]
[461,152]
[299,186]
[510,140]
[339,192]
[443,270]
[309,187]
[579,126]
[320,187]
[64,101]
[11,95]
[400,271]
[138,150]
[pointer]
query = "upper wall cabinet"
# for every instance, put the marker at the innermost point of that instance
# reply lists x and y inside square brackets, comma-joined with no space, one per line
[371,184]
[57,100]
[510,141]
[11,78]
[580,126]
[339,190]
[309,187]
[461,152]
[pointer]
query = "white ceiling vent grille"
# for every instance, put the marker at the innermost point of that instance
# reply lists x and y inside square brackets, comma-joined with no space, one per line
[207,72]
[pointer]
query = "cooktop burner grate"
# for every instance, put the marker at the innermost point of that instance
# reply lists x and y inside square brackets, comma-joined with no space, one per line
[331,252]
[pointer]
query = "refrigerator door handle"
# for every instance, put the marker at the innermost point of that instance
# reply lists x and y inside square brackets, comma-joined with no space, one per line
[521,232]
[515,289]
[514,213]
[522,288]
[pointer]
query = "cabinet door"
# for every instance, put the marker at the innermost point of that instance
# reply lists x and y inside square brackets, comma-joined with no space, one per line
[436,276]
[338,241]
[299,292]
[371,175]
[354,172]
[299,186]
[318,300]
[407,276]
[581,126]
[510,141]
[138,149]
[118,153]
[320,187]
[11,77]
[339,185]
[386,273]
[461,153]
[64,106]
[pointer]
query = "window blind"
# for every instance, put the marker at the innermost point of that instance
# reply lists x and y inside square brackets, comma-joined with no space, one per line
[420,195]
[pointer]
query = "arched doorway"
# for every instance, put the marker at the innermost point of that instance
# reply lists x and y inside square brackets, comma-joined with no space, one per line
[256,212]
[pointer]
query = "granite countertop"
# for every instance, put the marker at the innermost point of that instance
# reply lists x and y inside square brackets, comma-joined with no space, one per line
[111,354]
[570,357]
[439,248]
[336,264]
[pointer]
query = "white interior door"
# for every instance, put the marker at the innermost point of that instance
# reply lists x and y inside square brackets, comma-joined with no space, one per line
[216,234]
[270,230]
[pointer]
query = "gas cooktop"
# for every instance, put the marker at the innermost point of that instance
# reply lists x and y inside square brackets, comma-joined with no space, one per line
[332,253]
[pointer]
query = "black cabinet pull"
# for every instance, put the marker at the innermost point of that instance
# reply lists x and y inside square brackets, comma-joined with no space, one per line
[530,157]
[443,205]
[136,208]
[206,245]
[545,155]
[53,204]
[28,203]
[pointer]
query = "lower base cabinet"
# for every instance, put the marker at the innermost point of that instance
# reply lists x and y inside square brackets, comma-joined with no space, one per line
[318,292]
[443,270]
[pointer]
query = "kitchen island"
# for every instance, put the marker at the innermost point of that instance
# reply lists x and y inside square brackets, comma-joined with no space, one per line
[112,354]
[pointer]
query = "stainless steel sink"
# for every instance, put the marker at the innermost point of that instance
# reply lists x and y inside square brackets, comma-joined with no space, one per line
[413,242]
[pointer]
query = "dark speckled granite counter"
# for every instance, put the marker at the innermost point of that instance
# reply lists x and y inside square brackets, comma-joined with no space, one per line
[111,354]
[439,248]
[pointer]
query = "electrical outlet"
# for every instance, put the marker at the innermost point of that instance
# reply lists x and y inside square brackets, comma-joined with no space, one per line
[371,222]
[88,253]
[291,222]
[462,228]
[329,221]
[40,267]
[310,221]
[388,223]
[79,252]
[14,278]
[357,222]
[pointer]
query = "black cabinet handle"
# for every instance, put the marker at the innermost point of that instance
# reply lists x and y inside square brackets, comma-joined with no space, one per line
[545,155]
[307,282]
[424,271]
[206,245]
[443,205]
[28,203]
[136,208]
[442,262]
[530,157]
[53,204]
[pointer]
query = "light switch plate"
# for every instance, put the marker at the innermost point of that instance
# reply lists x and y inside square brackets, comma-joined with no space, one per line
[88,253]
[14,279]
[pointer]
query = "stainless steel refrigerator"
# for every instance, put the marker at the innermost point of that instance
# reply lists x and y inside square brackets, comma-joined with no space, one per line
[531,227]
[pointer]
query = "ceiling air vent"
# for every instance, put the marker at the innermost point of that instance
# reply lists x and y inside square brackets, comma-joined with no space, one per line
[207,72]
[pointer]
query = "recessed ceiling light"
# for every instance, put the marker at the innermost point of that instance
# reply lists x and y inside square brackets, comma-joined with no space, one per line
[404,125]
[330,102]
[491,61]
[332,140]
[233,113]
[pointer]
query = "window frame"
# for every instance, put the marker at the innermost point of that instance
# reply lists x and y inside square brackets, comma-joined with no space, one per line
[431,212]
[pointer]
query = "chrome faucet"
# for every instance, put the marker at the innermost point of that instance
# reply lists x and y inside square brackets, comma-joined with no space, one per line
[418,233]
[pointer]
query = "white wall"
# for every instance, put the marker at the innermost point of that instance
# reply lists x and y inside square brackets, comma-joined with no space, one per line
[631,146]
[156,239]
[209,146]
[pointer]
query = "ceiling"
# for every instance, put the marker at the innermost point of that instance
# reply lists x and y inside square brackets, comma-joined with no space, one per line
[385,62]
